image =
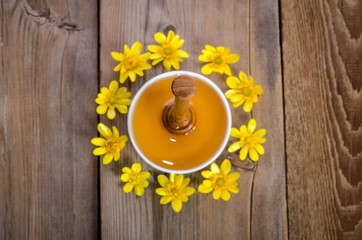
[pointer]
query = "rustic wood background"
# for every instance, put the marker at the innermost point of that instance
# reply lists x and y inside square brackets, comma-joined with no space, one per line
[307,55]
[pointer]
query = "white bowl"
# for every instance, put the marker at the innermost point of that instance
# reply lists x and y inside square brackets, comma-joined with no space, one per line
[166,76]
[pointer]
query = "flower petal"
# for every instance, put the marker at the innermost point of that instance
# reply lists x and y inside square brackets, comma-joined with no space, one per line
[225,167]
[233,176]
[128,187]
[123,77]
[215,168]
[234,147]
[206,174]
[204,189]
[170,35]
[251,125]
[243,129]
[258,89]
[189,191]
[145,184]
[182,53]
[232,92]
[238,103]
[260,133]
[104,130]
[125,177]
[225,195]
[210,48]
[161,191]
[185,182]
[132,76]
[160,38]
[233,82]
[176,205]
[232,58]
[139,190]
[102,109]
[216,194]
[107,158]
[145,175]
[117,56]
[206,69]
[111,113]
[179,179]
[165,199]
[99,151]
[259,148]
[162,180]
[116,155]
[126,170]
[227,70]
[243,77]
[175,64]
[207,183]
[233,189]
[243,153]
[251,80]
[204,58]
[113,86]
[115,132]
[248,106]
[235,133]
[153,48]
[118,67]
[136,48]
[98,141]
[167,65]
[123,138]
[253,154]
[122,109]
[136,167]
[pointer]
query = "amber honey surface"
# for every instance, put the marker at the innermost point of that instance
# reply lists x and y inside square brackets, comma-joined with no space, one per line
[173,151]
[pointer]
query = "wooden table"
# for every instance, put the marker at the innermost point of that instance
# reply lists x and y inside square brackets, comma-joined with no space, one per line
[55,56]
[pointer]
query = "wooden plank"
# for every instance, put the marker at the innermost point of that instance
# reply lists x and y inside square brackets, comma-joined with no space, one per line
[198,22]
[322,55]
[269,208]
[48,176]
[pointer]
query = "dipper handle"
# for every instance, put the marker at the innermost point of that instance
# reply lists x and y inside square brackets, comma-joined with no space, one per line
[179,118]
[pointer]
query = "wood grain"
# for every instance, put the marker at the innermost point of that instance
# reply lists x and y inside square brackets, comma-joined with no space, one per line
[322,55]
[48,176]
[259,210]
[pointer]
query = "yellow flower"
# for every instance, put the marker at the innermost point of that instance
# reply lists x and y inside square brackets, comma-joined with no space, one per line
[131,62]
[135,179]
[110,145]
[217,60]
[249,142]
[243,90]
[169,51]
[112,98]
[174,190]
[218,180]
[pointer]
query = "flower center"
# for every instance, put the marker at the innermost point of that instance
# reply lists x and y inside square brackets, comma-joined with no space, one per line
[220,182]
[248,139]
[112,145]
[134,179]
[130,63]
[112,100]
[167,51]
[246,91]
[174,191]
[218,60]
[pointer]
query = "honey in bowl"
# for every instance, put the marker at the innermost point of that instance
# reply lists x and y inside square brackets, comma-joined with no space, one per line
[179,152]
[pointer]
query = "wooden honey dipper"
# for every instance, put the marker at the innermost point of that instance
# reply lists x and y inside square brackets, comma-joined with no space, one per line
[179,116]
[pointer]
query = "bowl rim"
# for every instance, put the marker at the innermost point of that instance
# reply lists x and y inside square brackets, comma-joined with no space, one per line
[163,76]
